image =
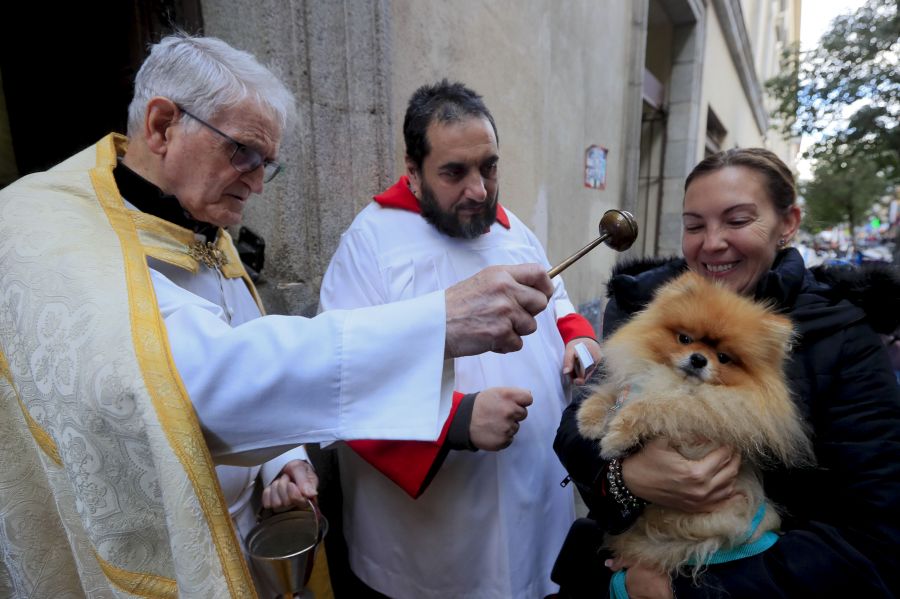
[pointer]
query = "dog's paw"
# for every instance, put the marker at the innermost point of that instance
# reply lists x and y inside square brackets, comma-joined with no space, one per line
[591,418]
[592,415]
[616,443]
[624,431]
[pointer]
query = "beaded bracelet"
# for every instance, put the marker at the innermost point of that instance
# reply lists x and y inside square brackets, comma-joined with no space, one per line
[619,491]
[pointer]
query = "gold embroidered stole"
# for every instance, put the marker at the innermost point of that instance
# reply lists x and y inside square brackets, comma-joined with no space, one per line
[105,478]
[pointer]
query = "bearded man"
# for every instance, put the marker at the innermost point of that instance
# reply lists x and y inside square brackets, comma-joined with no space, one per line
[473,514]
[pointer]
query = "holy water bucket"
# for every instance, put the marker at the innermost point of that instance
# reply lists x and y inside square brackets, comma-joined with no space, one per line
[282,549]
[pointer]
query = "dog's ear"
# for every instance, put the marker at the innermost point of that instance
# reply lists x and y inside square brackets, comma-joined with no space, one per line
[776,332]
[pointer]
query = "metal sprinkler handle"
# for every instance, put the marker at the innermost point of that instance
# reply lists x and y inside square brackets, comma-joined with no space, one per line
[617,228]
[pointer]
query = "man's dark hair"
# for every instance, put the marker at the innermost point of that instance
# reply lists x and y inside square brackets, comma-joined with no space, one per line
[444,102]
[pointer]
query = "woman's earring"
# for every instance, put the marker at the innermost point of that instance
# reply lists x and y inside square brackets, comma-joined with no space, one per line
[781,242]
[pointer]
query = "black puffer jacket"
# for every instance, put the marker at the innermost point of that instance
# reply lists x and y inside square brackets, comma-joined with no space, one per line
[842,518]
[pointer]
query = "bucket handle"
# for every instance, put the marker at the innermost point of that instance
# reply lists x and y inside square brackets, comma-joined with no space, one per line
[266,513]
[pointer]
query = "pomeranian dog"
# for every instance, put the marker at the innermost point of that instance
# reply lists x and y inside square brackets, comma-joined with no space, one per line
[702,367]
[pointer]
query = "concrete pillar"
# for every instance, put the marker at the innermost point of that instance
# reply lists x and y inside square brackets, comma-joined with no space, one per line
[682,126]
[632,116]
[335,57]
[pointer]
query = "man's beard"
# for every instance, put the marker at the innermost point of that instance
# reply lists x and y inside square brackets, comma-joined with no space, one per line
[448,223]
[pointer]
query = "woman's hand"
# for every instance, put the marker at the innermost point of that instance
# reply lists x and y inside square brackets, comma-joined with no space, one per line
[569,358]
[659,474]
[643,582]
[292,488]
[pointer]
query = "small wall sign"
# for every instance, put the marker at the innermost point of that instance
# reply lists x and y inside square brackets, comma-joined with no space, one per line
[595,167]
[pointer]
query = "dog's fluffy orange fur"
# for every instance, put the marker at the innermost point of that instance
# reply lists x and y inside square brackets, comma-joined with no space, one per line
[702,366]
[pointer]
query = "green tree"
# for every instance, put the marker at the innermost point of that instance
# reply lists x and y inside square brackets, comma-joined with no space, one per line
[846,91]
[843,190]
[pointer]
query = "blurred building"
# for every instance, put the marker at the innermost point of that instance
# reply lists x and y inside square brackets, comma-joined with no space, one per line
[599,104]
[705,67]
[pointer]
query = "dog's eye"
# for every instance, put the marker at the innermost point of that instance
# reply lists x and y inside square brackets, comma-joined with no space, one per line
[723,358]
[684,339]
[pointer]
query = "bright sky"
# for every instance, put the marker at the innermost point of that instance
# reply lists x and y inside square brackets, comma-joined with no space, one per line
[815,17]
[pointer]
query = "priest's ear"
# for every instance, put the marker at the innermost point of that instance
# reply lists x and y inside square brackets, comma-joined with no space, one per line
[161,115]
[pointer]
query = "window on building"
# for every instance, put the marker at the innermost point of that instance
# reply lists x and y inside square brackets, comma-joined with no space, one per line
[715,133]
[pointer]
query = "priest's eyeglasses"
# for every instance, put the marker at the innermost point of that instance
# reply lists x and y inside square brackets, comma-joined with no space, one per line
[244,158]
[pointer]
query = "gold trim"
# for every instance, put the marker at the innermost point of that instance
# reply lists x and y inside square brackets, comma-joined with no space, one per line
[41,437]
[164,241]
[162,228]
[141,584]
[252,289]
[185,250]
[173,257]
[234,268]
[168,395]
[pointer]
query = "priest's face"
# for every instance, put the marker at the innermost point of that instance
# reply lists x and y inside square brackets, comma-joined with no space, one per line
[200,172]
[457,186]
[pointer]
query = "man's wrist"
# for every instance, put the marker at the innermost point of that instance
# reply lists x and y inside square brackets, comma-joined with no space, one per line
[458,433]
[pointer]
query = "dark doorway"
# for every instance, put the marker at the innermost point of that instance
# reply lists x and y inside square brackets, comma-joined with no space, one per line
[68,68]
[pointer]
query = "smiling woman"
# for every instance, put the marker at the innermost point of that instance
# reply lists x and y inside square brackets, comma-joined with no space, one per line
[739,211]
[739,216]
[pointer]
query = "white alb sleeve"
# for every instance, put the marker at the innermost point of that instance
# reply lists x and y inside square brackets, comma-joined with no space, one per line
[278,381]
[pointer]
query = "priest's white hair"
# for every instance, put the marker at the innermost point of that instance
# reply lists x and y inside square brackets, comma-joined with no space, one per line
[206,75]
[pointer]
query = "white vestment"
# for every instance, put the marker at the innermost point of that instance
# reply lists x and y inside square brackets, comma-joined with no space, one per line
[238,306]
[268,384]
[120,391]
[490,524]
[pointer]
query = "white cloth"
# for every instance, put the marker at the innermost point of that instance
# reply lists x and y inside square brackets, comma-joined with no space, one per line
[490,524]
[237,307]
[271,383]
[228,301]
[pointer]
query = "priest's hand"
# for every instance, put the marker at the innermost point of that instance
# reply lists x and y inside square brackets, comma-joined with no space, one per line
[494,309]
[496,415]
[292,488]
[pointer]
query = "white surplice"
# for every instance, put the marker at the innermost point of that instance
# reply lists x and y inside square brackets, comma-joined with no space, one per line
[237,306]
[267,384]
[490,524]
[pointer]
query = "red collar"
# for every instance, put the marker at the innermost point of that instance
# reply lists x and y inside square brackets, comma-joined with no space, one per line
[399,196]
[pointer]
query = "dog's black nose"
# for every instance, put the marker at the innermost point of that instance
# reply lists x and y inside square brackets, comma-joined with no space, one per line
[698,361]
